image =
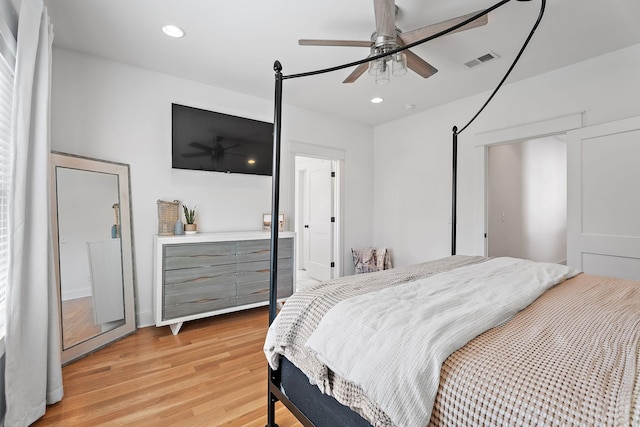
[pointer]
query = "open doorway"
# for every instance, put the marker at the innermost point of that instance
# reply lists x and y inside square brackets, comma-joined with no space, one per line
[527,199]
[315,219]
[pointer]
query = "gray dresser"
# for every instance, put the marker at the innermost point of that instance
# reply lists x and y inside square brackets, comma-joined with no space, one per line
[206,274]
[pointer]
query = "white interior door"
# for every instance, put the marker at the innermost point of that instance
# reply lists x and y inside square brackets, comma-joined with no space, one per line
[302,219]
[320,225]
[603,232]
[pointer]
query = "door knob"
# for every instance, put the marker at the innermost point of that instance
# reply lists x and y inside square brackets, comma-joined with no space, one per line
[306,226]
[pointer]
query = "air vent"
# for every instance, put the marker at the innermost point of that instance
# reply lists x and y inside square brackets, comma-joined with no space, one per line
[481,59]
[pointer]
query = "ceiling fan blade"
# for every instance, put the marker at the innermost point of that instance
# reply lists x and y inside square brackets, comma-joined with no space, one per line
[347,43]
[201,146]
[360,69]
[419,65]
[385,11]
[201,154]
[429,30]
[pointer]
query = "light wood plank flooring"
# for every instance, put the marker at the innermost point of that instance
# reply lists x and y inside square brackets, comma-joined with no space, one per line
[77,320]
[213,373]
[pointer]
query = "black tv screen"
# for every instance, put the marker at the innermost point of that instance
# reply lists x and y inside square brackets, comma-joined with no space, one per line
[210,141]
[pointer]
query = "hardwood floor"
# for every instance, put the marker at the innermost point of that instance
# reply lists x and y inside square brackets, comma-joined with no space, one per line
[77,321]
[213,373]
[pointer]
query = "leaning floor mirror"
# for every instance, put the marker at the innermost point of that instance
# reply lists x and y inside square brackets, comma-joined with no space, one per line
[93,249]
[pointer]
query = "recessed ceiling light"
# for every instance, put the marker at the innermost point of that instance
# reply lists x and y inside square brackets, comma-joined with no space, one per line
[409,106]
[173,31]
[376,100]
[251,162]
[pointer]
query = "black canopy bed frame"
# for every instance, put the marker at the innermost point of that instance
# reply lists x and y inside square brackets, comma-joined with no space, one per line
[323,402]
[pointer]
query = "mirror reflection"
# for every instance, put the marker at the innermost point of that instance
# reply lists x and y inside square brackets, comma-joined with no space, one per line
[90,250]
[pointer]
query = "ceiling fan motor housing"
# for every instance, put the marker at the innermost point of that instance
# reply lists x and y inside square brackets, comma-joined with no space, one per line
[385,43]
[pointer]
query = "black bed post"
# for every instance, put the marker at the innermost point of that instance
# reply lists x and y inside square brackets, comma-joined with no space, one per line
[275,208]
[454,190]
[275,193]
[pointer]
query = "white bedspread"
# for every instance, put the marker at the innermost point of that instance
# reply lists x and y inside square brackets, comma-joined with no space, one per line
[439,314]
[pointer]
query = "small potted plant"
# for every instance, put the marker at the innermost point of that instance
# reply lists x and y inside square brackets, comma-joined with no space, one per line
[190,216]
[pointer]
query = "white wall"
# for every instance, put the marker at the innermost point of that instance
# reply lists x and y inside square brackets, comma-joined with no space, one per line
[545,200]
[116,112]
[412,156]
[356,196]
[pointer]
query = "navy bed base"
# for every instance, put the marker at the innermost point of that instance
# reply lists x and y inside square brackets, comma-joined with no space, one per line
[319,408]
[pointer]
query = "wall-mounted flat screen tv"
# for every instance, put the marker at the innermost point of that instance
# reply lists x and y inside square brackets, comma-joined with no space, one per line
[211,141]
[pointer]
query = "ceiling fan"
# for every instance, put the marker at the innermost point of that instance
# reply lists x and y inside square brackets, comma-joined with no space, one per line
[217,151]
[388,37]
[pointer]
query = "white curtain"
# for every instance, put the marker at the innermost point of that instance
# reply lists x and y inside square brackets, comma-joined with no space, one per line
[33,375]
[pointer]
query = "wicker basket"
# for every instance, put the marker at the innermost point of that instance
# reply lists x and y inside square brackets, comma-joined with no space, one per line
[168,214]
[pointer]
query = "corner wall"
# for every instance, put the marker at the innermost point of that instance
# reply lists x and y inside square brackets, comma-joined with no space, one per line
[112,111]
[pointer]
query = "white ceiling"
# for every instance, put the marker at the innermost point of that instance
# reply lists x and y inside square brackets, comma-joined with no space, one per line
[233,44]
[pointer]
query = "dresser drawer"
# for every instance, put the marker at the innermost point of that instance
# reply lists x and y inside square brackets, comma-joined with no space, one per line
[218,274]
[259,291]
[260,250]
[262,284]
[195,290]
[199,283]
[260,270]
[199,255]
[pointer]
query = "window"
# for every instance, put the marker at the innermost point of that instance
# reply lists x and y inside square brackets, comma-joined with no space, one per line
[7,66]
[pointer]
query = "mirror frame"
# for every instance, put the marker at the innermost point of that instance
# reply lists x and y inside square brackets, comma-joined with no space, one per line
[121,170]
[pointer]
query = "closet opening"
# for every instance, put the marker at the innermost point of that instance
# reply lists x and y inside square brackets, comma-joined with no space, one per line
[527,199]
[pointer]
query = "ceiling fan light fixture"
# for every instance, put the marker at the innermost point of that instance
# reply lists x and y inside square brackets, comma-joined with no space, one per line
[382,76]
[399,64]
[374,66]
